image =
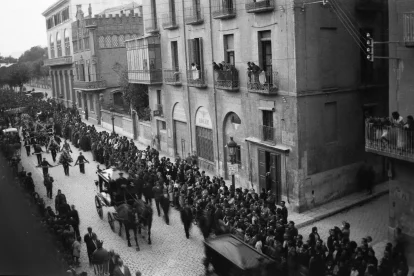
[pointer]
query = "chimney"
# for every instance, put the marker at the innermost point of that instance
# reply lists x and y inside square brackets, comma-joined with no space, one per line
[90,10]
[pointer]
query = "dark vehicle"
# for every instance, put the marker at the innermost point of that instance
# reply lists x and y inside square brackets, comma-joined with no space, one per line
[230,256]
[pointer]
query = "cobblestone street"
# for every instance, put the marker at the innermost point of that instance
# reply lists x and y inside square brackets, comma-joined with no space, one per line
[170,252]
[370,219]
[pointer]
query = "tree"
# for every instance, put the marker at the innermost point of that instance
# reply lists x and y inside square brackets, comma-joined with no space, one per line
[19,75]
[35,53]
[8,59]
[135,95]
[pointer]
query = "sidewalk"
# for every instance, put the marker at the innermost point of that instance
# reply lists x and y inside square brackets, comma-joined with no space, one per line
[311,216]
[334,207]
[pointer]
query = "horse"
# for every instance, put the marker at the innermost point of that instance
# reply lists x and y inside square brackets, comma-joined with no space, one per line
[133,217]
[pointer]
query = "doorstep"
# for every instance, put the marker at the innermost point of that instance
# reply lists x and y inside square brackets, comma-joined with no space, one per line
[336,206]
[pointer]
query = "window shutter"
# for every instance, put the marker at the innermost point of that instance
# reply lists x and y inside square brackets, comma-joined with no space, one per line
[201,53]
[190,51]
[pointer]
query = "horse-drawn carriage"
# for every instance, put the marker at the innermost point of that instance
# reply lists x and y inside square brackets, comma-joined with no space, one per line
[119,194]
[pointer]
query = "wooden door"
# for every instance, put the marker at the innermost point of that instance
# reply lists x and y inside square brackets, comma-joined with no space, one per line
[262,169]
[275,172]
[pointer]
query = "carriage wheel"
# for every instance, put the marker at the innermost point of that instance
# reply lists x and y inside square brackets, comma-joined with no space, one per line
[111,221]
[98,207]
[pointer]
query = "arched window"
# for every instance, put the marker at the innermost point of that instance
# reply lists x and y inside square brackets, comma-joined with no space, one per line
[59,44]
[118,100]
[52,47]
[67,42]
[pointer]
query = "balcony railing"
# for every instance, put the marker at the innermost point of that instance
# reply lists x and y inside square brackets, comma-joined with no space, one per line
[369,5]
[265,82]
[151,25]
[58,61]
[196,78]
[227,80]
[193,16]
[267,133]
[158,111]
[145,76]
[90,85]
[169,21]
[223,9]
[408,23]
[259,6]
[390,141]
[172,76]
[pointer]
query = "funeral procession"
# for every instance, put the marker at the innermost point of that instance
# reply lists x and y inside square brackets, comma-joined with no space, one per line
[207,138]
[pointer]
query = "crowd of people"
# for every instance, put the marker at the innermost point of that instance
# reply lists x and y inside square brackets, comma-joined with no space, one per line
[256,218]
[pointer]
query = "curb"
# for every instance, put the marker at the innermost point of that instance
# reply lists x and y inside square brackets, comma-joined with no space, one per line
[344,208]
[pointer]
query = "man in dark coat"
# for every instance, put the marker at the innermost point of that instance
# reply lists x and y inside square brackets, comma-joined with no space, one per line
[48,182]
[29,183]
[186,218]
[91,243]
[158,193]
[284,212]
[81,160]
[38,151]
[139,186]
[27,146]
[165,204]
[74,218]
[60,199]
[45,166]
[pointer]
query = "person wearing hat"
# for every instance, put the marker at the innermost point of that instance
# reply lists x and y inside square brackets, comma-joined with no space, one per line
[81,160]
[100,255]
[91,243]
[48,182]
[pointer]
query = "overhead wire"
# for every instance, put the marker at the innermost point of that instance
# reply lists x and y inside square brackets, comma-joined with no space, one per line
[346,13]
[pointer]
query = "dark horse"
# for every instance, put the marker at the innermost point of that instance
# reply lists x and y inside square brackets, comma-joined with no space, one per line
[135,217]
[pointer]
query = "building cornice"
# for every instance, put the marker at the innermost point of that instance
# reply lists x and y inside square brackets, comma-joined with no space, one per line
[55,6]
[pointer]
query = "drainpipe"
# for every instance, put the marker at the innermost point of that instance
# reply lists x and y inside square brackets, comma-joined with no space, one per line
[188,89]
[214,90]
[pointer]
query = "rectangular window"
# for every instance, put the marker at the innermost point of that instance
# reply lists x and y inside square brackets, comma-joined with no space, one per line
[65,14]
[265,51]
[330,123]
[162,125]
[327,57]
[174,55]
[77,70]
[80,100]
[195,52]
[89,70]
[267,118]
[154,12]
[159,97]
[91,103]
[229,49]
[205,148]
[86,42]
[82,72]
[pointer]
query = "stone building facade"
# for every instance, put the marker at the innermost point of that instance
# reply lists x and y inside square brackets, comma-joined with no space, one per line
[398,151]
[99,54]
[300,120]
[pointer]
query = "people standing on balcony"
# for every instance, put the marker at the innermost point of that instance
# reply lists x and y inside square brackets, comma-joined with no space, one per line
[256,70]
[409,125]
[397,119]
[195,68]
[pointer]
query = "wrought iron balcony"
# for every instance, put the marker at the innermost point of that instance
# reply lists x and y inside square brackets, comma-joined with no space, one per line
[369,5]
[92,82]
[169,21]
[227,80]
[390,141]
[408,23]
[193,16]
[145,76]
[223,9]
[172,76]
[151,25]
[267,133]
[196,78]
[58,61]
[264,83]
[253,6]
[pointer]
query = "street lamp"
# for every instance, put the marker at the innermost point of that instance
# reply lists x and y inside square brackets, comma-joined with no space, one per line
[232,146]
[113,119]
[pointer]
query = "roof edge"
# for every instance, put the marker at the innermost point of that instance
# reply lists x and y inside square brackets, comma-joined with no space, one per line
[54,6]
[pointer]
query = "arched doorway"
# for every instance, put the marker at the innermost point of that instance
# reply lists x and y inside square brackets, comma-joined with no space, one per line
[232,128]
[180,128]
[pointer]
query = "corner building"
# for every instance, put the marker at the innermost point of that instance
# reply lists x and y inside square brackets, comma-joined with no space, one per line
[99,49]
[398,152]
[301,120]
